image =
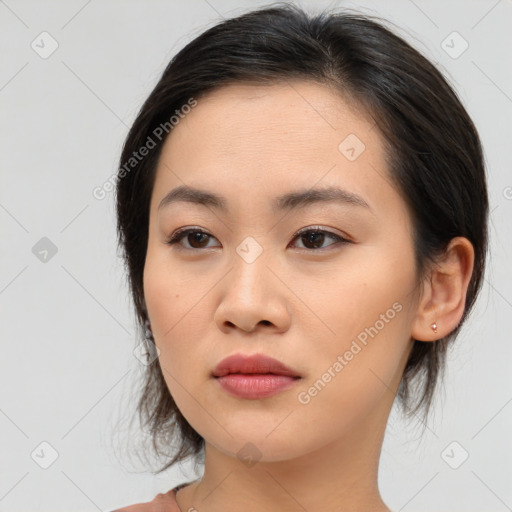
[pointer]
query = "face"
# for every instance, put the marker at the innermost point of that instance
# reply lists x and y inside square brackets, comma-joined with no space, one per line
[326,287]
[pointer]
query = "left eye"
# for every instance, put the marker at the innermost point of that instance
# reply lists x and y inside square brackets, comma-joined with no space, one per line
[313,239]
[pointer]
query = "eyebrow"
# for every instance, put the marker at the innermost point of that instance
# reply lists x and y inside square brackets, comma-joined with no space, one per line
[290,201]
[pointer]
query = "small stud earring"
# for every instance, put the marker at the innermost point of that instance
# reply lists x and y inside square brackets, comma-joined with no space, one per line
[434,327]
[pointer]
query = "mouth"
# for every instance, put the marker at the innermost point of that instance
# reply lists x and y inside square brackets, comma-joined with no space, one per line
[254,377]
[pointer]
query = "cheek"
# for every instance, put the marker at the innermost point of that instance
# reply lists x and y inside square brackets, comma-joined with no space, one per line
[176,305]
[352,294]
[367,310]
[357,373]
[170,295]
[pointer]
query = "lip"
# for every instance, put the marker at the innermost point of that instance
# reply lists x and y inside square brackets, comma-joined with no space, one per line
[252,364]
[254,377]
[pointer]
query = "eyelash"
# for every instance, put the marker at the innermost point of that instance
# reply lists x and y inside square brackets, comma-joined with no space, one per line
[176,237]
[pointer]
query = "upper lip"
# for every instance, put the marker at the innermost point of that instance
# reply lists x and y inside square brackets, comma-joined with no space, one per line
[256,363]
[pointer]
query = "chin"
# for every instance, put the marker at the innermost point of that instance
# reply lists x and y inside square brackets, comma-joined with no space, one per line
[264,444]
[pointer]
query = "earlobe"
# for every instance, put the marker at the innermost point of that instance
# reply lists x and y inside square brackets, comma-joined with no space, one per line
[443,297]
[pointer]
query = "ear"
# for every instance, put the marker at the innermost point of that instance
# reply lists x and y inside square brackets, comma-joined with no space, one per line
[443,295]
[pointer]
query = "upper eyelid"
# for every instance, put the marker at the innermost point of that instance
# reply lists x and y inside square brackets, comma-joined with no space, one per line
[314,227]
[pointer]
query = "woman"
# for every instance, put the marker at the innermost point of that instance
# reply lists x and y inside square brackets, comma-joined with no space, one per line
[302,208]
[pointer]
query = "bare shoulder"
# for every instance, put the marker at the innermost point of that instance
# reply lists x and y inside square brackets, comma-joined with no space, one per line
[160,503]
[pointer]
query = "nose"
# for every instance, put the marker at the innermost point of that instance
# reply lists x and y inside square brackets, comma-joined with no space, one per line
[252,297]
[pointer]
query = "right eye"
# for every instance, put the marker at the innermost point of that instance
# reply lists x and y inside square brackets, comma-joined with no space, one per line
[197,241]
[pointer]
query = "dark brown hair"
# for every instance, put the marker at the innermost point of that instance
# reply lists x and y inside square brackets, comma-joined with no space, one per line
[433,154]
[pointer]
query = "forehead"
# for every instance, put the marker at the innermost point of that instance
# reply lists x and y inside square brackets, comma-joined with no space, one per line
[260,139]
[278,118]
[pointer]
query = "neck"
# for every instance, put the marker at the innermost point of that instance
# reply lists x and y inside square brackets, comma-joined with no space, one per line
[338,477]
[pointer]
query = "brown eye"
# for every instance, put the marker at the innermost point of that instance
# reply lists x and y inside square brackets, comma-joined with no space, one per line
[313,239]
[196,238]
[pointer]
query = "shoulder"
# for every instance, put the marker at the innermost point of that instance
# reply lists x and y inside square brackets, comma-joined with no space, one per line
[160,503]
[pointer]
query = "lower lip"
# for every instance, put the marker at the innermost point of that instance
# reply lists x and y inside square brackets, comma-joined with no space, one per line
[254,386]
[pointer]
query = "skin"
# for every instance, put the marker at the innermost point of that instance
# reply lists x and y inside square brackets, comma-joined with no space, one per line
[303,306]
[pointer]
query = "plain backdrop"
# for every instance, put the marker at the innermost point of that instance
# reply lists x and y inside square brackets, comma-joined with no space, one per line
[73,76]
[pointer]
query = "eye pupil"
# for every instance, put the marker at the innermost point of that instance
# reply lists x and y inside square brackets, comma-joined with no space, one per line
[197,237]
[315,238]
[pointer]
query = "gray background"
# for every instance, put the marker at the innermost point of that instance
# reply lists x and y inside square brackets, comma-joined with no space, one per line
[68,374]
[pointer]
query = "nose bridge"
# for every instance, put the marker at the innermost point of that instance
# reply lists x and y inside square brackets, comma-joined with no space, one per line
[250,260]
